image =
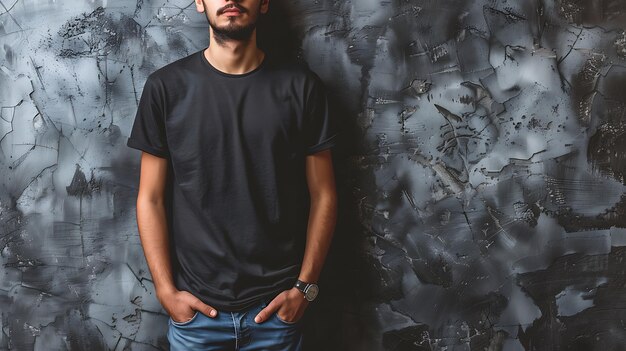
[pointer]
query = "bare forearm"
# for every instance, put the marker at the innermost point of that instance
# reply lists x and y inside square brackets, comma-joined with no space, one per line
[321,227]
[152,225]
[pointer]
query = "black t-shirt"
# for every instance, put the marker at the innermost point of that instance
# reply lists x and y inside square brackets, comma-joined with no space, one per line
[237,203]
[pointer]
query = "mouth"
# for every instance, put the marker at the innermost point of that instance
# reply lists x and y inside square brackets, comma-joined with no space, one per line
[232,11]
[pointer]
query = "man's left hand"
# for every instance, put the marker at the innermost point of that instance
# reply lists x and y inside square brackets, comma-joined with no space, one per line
[289,304]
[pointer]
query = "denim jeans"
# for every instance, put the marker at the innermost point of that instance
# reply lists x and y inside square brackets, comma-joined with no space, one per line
[236,331]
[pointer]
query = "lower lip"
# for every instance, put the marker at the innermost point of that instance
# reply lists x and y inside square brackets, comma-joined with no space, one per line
[232,13]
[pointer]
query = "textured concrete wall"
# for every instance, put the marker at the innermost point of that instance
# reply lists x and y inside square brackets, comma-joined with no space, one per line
[481,171]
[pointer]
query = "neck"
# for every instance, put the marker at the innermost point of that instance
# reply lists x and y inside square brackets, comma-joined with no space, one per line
[234,56]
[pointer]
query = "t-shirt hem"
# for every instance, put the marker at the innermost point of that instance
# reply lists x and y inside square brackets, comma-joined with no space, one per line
[328,143]
[136,144]
[248,303]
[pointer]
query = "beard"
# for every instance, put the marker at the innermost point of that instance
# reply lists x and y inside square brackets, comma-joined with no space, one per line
[232,32]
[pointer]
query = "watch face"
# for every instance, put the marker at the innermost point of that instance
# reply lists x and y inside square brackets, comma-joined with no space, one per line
[311,292]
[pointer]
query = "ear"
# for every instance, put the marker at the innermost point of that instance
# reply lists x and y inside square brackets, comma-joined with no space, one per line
[264,6]
[199,5]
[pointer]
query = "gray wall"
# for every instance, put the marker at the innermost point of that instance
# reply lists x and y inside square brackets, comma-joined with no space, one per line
[481,171]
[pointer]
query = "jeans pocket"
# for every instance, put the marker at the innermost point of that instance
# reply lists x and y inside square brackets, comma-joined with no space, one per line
[180,324]
[284,321]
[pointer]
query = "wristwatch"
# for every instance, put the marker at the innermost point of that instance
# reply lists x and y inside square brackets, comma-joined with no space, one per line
[310,290]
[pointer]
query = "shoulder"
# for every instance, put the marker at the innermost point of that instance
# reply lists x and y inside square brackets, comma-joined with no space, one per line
[295,78]
[175,68]
[295,71]
[174,77]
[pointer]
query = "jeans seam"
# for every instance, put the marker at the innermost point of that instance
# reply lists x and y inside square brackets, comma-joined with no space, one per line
[235,326]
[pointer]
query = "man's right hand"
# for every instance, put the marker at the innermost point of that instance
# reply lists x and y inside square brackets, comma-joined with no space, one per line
[181,304]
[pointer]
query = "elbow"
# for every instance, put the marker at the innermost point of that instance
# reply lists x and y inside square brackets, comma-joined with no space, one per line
[327,197]
[147,200]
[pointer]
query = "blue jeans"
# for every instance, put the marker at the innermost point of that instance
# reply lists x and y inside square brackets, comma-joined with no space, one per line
[236,331]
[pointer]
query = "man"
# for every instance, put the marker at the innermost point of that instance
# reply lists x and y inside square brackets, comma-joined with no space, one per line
[237,204]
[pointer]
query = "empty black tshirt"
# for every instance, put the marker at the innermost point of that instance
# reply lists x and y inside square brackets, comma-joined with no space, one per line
[237,203]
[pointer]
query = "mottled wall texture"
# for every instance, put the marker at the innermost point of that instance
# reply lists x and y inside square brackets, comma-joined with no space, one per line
[481,170]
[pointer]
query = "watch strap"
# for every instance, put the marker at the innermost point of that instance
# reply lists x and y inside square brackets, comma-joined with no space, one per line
[301,285]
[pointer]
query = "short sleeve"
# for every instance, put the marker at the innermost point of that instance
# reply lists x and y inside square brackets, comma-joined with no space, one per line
[148,131]
[320,129]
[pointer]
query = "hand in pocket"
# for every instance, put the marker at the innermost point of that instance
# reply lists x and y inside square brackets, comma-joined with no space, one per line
[182,305]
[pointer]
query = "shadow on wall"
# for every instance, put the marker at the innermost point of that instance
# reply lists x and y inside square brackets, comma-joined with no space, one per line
[332,322]
[276,34]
